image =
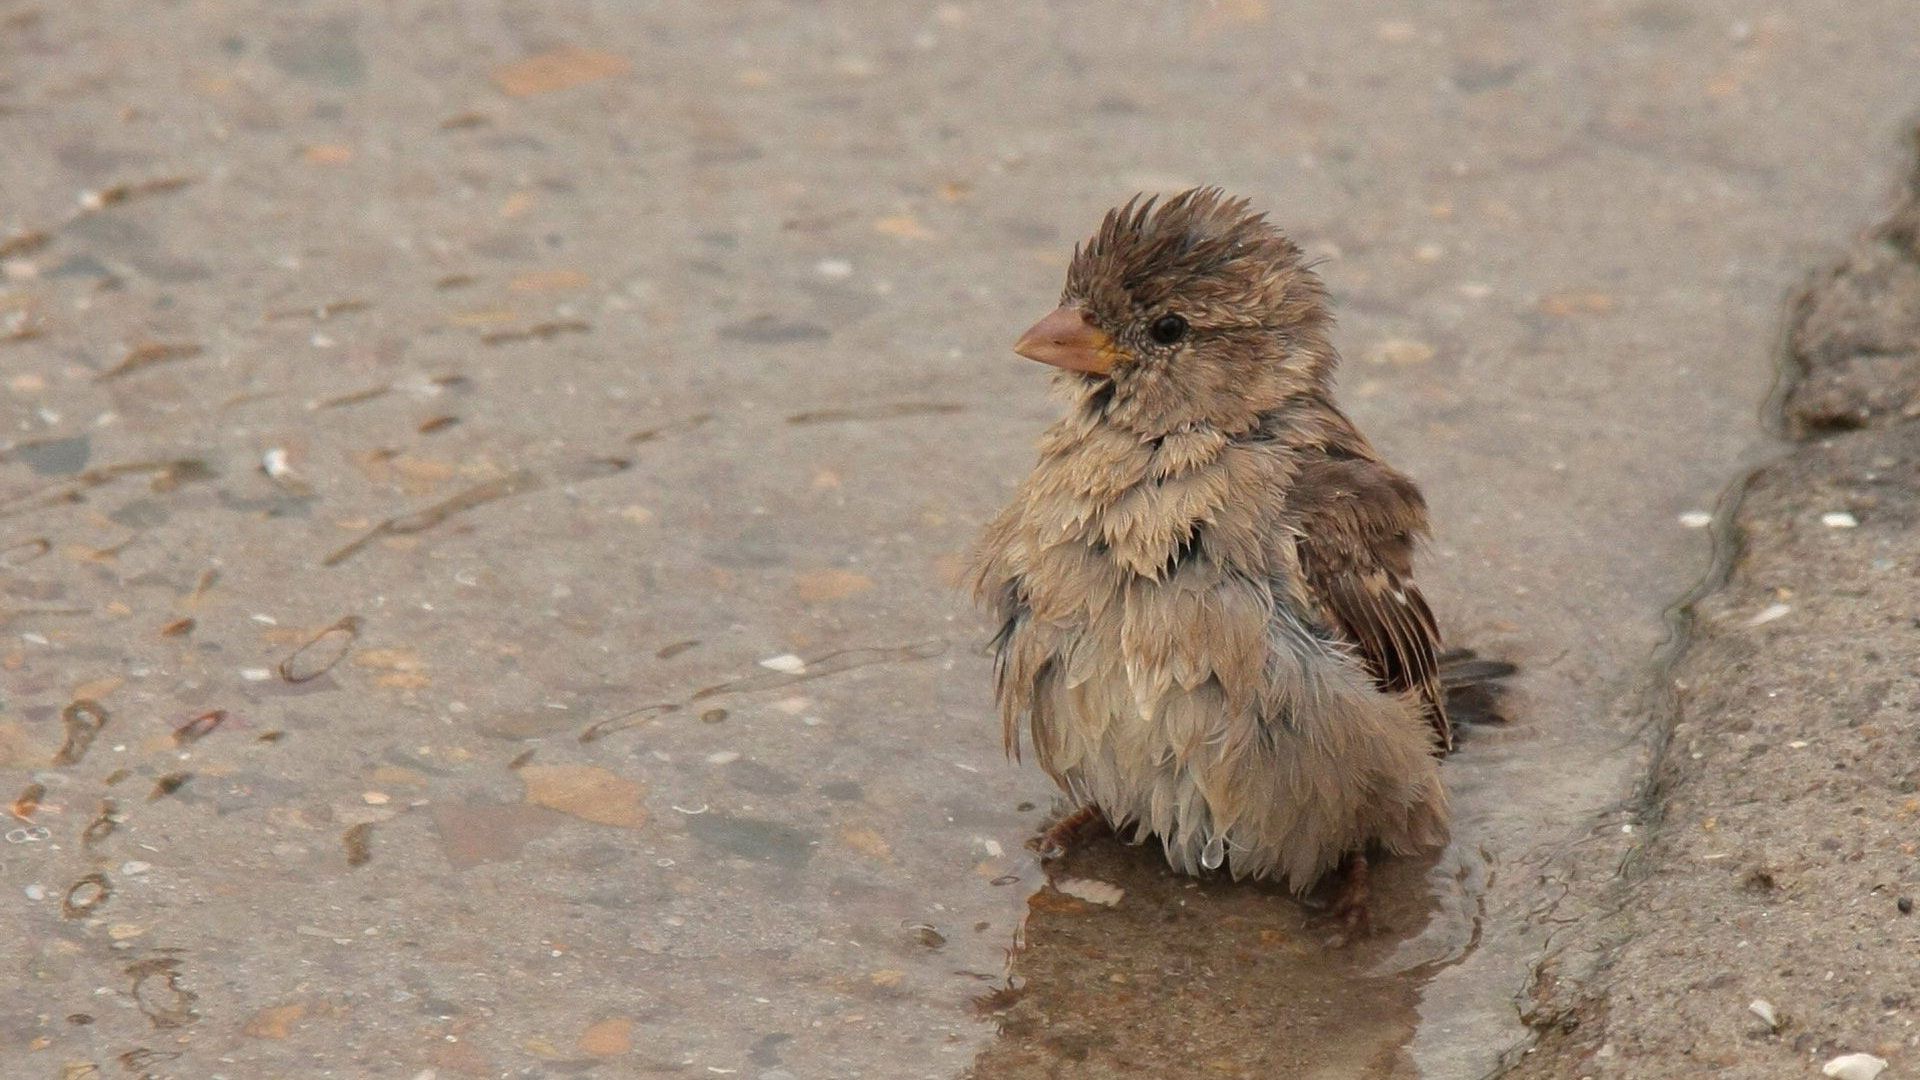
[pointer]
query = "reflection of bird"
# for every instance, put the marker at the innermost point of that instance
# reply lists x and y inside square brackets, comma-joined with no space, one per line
[1209,621]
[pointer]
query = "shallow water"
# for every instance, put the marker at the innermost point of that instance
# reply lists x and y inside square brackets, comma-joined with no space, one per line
[548,441]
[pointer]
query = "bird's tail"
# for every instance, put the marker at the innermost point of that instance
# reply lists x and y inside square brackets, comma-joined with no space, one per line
[1464,667]
[1474,686]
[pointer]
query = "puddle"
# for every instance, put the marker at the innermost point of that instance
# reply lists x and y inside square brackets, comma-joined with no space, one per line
[1182,967]
[1191,978]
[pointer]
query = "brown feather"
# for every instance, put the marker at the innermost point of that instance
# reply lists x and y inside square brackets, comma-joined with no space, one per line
[1358,520]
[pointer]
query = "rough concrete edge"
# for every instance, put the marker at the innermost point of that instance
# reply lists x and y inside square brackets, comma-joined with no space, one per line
[1566,982]
[1899,230]
[1566,988]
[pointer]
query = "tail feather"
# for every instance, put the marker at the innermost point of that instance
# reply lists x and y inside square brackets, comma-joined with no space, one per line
[1474,686]
[1474,672]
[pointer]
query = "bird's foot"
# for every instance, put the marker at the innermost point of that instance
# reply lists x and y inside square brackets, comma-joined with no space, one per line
[1352,898]
[1061,837]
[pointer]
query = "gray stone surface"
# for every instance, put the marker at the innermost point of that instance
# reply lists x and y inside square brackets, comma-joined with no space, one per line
[1779,865]
[501,351]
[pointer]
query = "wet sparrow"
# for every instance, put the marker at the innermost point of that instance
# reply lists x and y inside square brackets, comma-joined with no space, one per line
[1209,623]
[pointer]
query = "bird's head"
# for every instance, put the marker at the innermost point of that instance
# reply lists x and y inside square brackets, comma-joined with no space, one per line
[1194,311]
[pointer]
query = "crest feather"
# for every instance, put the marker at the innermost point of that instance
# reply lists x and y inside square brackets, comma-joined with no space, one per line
[1200,232]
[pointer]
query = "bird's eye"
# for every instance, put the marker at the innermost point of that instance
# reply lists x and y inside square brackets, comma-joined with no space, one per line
[1167,329]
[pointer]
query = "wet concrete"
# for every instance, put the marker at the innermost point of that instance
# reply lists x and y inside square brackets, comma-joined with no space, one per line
[545,440]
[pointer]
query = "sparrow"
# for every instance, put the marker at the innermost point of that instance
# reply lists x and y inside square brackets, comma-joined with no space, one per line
[1208,624]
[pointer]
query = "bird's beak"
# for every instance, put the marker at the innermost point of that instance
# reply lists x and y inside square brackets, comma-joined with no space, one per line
[1067,339]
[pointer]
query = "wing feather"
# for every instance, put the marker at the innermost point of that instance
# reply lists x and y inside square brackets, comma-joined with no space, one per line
[1358,521]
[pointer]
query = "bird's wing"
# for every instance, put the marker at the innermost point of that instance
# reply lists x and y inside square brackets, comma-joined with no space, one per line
[1358,520]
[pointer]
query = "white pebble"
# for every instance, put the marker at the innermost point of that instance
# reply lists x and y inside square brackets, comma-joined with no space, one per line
[1696,519]
[1854,1067]
[833,268]
[256,674]
[723,757]
[785,663]
[1839,519]
[36,892]
[1093,892]
[135,867]
[1764,1009]
[274,462]
[1768,614]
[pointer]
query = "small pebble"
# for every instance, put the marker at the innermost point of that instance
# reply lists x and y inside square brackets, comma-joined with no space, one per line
[1764,1009]
[833,268]
[723,757]
[1769,613]
[36,892]
[1093,892]
[1839,519]
[256,674]
[1854,1067]
[1399,352]
[785,663]
[135,867]
[1696,519]
[1396,31]
[1905,904]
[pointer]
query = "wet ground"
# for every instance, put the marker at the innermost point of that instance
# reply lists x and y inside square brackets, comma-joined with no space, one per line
[1765,926]
[482,487]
